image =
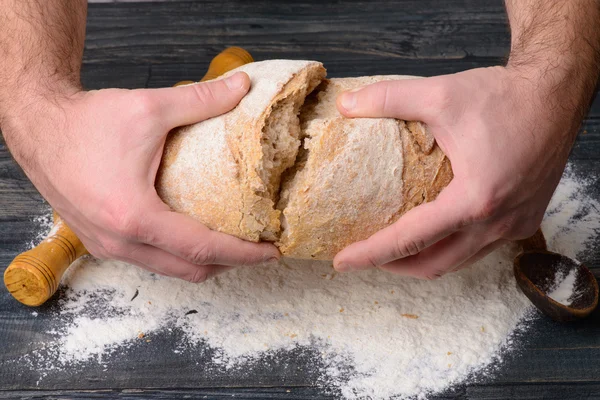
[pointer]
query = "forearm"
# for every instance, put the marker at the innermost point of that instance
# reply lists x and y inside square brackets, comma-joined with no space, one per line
[41,47]
[556,44]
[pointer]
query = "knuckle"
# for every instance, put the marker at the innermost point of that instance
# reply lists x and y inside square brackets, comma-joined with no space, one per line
[441,95]
[97,252]
[372,261]
[204,93]
[487,207]
[387,100]
[408,247]
[113,248]
[123,222]
[144,105]
[125,228]
[202,255]
[141,230]
[200,275]
[508,226]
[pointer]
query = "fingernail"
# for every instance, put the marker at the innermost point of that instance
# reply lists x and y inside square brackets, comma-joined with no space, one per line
[271,261]
[348,100]
[236,82]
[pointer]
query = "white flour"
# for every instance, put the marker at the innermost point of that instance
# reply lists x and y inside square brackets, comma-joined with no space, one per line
[379,335]
[563,287]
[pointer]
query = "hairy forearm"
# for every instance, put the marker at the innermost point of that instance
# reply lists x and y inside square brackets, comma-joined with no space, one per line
[41,47]
[556,43]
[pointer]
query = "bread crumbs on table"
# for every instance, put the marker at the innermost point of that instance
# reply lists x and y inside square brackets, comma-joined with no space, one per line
[141,335]
[411,316]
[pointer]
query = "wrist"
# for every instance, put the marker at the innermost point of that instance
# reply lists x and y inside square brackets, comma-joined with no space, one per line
[25,98]
[30,121]
[559,89]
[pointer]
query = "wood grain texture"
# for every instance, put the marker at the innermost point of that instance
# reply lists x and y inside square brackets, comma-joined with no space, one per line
[134,45]
[488,392]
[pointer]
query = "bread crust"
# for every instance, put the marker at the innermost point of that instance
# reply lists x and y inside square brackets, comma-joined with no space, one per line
[352,177]
[209,170]
[359,175]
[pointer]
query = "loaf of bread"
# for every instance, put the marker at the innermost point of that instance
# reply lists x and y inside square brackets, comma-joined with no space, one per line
[226,171]
[285,166]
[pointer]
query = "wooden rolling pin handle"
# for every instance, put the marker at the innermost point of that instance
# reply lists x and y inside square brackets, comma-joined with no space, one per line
[33,277]
[225,61]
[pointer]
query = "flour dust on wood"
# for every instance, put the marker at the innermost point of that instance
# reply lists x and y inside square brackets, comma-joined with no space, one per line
[377,335]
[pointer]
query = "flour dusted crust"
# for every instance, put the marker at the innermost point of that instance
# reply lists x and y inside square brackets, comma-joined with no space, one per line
[351,177]
[355,176]
[212,170]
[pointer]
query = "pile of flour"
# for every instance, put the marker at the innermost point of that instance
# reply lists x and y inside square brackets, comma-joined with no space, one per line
[379,335]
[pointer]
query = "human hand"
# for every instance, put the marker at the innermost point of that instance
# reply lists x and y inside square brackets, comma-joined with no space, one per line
[94,156]
[507,134]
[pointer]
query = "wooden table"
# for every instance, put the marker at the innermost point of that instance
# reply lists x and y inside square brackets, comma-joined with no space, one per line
[135,45]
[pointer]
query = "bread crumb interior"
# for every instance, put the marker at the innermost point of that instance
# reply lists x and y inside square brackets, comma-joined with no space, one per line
[281,139]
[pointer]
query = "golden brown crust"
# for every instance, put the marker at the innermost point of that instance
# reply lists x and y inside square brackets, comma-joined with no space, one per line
[360,175]
[210,169]
[421,134]
[425,173]
[354,177]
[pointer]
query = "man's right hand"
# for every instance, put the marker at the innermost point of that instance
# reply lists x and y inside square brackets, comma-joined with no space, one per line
[94,157]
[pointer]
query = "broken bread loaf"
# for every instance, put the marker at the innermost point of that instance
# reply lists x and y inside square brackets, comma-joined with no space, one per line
[296,172]
[225,171]
[354,176]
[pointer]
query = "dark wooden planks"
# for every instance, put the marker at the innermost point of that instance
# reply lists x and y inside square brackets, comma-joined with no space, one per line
[579,391]
[186,31]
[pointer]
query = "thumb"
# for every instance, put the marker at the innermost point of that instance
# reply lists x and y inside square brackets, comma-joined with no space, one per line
[407,99]
[185,105]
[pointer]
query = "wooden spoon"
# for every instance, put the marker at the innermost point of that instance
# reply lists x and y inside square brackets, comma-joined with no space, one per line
[536,270]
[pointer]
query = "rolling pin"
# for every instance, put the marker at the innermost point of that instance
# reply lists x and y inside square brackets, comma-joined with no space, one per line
[33,276]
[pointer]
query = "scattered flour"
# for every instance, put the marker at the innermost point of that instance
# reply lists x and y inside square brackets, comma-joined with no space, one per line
[45,223]
[563,288]
[379,335]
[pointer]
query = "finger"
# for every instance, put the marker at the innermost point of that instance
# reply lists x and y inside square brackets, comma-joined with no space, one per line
[481,254]
[141,265]
[408,99]
[412,233]
[185,105]
[440,258]
[163,263]
[188,239]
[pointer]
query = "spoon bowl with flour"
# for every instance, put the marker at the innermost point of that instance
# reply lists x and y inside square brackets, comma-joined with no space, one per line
[559,286]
